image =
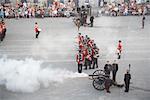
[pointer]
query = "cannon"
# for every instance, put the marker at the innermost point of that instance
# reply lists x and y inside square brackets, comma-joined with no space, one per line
[99,78]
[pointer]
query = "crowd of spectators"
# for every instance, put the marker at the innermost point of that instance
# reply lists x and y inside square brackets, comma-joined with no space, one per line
[124,9]
[28,10]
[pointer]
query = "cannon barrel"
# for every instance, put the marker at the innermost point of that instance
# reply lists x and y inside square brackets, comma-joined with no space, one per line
[99,75]
[93,75]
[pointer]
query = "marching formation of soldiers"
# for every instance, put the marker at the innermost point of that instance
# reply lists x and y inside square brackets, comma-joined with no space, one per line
[88,53]
[2,30]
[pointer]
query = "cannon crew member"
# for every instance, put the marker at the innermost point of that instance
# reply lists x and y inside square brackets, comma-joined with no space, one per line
[108,83]
[107,68]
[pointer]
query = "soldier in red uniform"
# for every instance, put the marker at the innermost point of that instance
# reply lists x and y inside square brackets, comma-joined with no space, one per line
[4,29]
[119,46]
[37,30]
[90,43]
[119,49]
[1,31]
[79,38]
[80,59]
[81,46]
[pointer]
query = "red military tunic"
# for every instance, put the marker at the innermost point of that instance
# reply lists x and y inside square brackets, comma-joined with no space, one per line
[119,47]
[36,28]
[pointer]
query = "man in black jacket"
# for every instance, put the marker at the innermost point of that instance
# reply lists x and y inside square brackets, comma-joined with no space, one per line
[114,71]
[91,20]
[107,68]
[127,78]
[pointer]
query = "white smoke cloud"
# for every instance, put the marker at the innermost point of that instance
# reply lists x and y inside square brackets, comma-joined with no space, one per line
[111,52]
[49,47]
[28,75]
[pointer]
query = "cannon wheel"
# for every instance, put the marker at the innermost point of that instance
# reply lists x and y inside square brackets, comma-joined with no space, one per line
[98,72]
[98,83]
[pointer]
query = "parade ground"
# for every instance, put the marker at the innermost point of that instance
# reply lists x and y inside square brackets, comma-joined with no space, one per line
[52,58]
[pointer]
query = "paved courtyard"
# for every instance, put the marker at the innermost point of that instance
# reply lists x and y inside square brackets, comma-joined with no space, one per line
[56,48]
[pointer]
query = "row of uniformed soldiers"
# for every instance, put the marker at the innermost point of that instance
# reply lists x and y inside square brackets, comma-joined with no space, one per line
[2,30]
[88,53]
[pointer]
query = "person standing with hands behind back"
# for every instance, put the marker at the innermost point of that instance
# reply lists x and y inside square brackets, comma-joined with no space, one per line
[127,78]
[114,71]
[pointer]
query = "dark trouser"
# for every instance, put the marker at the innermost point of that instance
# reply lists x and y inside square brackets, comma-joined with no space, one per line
[107,87]
[91,24]
[119,55]
[81,20]
[127,86]
[142,24]
[78,25]
[87,63]
[4,33]
[95,62]
[1,36]
[37,34]
[114,75]
[79,68]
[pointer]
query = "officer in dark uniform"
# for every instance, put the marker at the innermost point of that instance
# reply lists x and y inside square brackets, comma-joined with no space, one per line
[127,78]
[114,71]
[107,68]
